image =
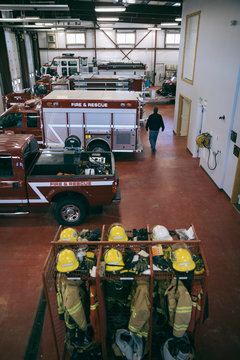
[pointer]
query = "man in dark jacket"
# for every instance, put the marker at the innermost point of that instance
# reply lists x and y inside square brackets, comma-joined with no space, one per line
[154,123]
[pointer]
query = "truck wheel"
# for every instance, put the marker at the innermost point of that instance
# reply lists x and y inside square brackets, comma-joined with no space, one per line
[98,146]
[70,211]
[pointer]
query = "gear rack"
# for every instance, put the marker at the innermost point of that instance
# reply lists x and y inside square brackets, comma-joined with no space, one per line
[100,278]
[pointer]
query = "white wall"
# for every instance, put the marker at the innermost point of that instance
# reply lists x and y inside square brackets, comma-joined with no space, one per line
[216,72]
[146,56]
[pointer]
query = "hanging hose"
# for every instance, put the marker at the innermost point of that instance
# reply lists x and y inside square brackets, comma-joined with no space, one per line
[215,159]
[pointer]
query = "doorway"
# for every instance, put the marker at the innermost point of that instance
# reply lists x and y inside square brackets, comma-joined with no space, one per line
[184,112]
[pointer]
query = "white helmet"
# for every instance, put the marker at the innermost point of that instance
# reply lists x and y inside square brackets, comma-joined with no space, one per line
[159,233]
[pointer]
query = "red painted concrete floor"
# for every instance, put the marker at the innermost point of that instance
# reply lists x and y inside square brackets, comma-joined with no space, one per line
[168,189]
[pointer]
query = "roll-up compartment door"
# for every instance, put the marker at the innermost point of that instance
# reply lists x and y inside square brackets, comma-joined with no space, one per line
[98,122]
[55,124]
[75,120]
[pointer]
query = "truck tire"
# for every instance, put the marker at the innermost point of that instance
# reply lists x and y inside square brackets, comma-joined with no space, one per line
[69,211]
[98,146]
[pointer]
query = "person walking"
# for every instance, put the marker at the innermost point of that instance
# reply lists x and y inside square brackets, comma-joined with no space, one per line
[154,123]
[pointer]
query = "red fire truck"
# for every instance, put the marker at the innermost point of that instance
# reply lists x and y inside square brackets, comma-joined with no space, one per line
[41,88]
[49,83]
[71,179]
[102,120]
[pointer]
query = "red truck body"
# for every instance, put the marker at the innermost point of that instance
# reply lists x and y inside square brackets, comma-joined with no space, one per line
[89,81]
[73,180]
[102,120]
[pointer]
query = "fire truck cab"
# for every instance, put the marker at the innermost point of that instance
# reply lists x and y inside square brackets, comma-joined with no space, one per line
[23,119]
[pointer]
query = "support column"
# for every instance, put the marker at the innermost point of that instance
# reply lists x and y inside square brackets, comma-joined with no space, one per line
[23,59]
[95,42]
[155,56]
[36,53]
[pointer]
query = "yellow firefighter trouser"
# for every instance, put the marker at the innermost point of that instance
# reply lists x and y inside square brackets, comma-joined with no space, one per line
[140,310]
[180,307]
[70,302]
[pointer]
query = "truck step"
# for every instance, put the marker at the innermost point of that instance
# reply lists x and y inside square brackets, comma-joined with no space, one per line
[14,212]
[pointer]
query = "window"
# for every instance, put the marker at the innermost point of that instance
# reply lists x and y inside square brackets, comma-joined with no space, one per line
[64,63]
[72,63]
[72,71]
[11,120]
[190,47]
[6,168]
[64,71]
[126,38]
[76,39]
[172,38]
[32,120]
[30,152]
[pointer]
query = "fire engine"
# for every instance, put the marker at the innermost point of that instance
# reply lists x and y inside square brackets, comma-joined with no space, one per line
[66,65]
[102,120]
[48,83]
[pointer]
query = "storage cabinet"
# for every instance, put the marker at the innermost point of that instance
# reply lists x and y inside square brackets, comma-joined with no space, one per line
[128,281]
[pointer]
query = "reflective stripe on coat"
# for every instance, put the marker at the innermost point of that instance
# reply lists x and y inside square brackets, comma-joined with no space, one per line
[179,307]
[69,298]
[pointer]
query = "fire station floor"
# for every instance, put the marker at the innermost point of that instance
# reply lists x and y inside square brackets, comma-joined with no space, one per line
[168,188]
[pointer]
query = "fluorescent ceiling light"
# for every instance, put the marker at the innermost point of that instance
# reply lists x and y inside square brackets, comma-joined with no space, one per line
[23,26]
[107,19]
[153,28]
[29,19]
[168,24]
[177,4]
[49,7]
[57,29]
[62,19]
[178,19]
[109,8]
[106,28]
[44,24]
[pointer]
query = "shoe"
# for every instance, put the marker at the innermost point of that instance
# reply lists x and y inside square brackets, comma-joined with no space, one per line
[153,151]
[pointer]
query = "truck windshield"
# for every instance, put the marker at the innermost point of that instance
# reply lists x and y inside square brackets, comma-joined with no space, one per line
[11,120]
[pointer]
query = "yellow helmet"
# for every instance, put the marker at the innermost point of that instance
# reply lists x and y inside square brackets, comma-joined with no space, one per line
[114,261]
[117,233]
[67,261]
[69,234]
[182,260]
